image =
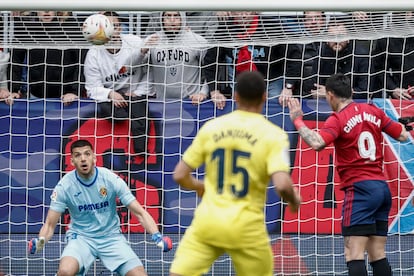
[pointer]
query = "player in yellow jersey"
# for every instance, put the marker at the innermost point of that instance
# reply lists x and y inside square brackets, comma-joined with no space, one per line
[241,151]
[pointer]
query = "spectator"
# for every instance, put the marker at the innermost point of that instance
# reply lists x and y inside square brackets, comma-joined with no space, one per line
[223,15]
[5,95]
[360,15]
[45,72]
[341,56]
[48,27]
[176,67]
[22,21]
[300,57]
[117,79]
[65,16]
[203,23]
[71,26]
[366,21]
[124,19]
[395,57]
[223,64]
[314,23]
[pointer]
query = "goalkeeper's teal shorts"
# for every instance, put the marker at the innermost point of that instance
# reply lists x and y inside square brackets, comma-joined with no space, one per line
[113,251]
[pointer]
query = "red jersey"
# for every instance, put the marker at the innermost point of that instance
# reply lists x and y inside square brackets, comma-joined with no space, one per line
[356,132]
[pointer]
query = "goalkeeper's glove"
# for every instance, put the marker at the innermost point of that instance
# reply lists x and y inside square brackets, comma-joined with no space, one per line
[163,242]
[36,245]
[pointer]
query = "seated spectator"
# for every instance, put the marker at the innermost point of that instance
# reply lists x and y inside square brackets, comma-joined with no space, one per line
[117,79]
[45,72]
[176,67]
[5,95]
[65,16]
[394,63]
[23,22]
[124,20]
[71,26]
[340,56]
[222,64]
[314,23]
[300,57]
[203,23]
[47,27]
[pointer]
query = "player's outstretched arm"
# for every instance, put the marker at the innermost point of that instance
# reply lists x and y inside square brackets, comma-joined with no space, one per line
[284,187]
[36,245]
[311,137]
[150,226]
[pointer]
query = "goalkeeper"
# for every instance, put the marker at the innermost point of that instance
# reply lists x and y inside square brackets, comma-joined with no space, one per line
[90,194]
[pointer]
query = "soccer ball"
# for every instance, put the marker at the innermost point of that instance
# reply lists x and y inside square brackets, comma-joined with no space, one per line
[97,29]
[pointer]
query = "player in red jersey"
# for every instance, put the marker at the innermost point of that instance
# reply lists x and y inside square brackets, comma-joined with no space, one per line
[356,131]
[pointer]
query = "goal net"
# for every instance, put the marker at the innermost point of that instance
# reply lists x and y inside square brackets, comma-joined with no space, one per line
[43,57]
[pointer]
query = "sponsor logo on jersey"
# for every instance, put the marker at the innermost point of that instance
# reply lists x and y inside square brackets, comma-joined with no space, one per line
[93,206]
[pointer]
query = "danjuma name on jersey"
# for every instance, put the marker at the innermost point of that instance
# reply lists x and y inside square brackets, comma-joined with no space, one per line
[235,133]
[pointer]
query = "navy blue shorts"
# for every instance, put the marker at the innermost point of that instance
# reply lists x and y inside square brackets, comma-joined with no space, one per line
[366,208]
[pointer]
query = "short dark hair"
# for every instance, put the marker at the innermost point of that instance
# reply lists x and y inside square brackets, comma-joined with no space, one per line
[80,144]
[111,14]
[250,86]
[340,85]
[114,14]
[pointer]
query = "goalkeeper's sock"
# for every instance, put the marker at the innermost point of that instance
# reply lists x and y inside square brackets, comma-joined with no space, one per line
[381,268]
[357,268]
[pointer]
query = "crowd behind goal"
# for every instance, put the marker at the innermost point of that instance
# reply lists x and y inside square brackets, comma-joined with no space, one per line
[44,52]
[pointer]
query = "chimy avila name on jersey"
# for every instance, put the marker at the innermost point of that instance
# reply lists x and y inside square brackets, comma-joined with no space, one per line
[359,118]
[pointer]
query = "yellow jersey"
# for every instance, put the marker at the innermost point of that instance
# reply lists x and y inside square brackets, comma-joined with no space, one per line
[240,150]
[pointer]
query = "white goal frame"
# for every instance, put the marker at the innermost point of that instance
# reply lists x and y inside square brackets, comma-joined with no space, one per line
[214,5]
[285,238]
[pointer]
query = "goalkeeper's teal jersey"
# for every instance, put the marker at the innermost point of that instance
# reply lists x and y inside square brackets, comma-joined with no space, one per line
[240,150]
[92,205]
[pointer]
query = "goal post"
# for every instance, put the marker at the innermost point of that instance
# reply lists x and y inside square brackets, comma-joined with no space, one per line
[36,133]
[216,5]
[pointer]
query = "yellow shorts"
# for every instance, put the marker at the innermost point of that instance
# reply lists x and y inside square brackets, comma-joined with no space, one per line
[195,257]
